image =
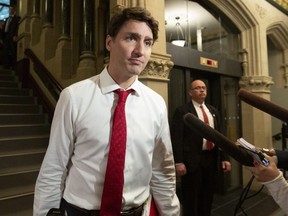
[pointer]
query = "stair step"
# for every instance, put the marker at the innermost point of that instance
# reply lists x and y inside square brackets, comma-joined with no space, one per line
[15,91]
[17,183]
[6,119]
[23,144]
[20,205]
[10,84]
[7,72]
[8,77]
[24,137]
[12,163]
[9,99]
[23,108]
[7,131]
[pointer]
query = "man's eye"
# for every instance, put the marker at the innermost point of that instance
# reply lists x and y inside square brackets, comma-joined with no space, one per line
[130,38]
[148,43]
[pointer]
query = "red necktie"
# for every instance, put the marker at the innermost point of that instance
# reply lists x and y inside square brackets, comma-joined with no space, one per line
[114,178]
[209,144]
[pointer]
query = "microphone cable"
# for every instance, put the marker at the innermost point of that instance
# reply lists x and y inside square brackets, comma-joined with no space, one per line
[244,196]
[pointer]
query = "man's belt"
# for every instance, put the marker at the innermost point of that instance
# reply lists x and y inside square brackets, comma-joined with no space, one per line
[137,211]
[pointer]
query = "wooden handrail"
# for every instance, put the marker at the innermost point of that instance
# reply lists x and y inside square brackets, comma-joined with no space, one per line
[52,85]
[39,67]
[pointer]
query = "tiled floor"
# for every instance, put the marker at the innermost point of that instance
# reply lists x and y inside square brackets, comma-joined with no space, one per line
[260,204]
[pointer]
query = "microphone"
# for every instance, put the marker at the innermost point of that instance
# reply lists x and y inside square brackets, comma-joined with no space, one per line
[263,104]
[202,129]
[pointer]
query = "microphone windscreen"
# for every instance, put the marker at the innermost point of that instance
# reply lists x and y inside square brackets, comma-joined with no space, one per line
[263,104]
[207,132]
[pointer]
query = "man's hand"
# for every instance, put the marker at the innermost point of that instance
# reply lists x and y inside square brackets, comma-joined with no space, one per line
[226,166]
[181,169]
[263,173]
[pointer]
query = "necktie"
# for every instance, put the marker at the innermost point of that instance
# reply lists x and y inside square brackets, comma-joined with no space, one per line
[209,144]
[114,178]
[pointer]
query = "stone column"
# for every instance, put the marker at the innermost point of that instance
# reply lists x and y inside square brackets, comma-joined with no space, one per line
[35,24]
[256,124]
[24,34]
[65,18]
[285,68]
[87,57]
[48,37]
[48,12]
[36,7]
[63,55]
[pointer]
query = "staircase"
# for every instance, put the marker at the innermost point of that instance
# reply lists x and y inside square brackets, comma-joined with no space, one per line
[24,135]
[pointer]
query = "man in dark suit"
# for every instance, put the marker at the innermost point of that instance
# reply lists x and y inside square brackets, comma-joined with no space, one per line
[196,158]
[10,38]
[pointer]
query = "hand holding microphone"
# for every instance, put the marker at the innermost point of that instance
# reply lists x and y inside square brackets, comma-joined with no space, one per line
[265,173]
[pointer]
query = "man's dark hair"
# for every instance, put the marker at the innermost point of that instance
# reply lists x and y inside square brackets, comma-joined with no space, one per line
[13,6]
[133,13]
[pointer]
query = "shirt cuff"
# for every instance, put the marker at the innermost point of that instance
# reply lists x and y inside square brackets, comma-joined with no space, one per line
[273,180]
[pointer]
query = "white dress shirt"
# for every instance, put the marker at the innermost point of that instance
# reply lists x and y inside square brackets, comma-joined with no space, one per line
[8,23]
[200,116]
[75,162]
[278,189]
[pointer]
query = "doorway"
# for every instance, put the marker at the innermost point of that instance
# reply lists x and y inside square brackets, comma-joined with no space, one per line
[221,93]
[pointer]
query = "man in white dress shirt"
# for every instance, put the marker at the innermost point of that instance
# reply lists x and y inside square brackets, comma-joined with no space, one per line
[73,171]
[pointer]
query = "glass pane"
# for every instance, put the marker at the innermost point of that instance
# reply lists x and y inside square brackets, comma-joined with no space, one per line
[189,24]
[4,9]
[232,125]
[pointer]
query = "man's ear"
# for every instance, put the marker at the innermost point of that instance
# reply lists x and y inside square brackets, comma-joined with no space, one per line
[190,92]
[108,42]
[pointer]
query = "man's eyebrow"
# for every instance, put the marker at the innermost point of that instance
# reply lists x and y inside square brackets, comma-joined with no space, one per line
[137,35]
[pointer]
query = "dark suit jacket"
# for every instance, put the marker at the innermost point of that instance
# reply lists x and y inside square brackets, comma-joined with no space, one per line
[282,159]
[12,29]
[187,145]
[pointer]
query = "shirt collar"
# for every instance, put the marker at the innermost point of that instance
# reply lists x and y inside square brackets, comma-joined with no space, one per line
[197,104]
[107,84]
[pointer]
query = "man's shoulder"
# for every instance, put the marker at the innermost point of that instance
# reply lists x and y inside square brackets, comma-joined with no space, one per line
[16,18]
[185,106]
[86,83]
[211,108]
[147,90]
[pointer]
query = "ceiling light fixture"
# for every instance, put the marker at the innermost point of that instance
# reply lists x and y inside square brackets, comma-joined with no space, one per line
[180,39]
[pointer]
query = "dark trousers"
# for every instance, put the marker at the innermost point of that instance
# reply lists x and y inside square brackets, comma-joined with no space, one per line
[9,53]
[198,189]
[72,210]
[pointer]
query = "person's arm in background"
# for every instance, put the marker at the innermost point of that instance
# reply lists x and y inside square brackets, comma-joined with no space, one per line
[274,180]
[177,132]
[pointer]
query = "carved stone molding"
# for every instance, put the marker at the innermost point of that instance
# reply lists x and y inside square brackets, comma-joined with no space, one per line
[244,63]
[256,83]
[261,11]
[285,75]
[157,69]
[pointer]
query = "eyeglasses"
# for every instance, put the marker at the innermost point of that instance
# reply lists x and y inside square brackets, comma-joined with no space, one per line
[199,88]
